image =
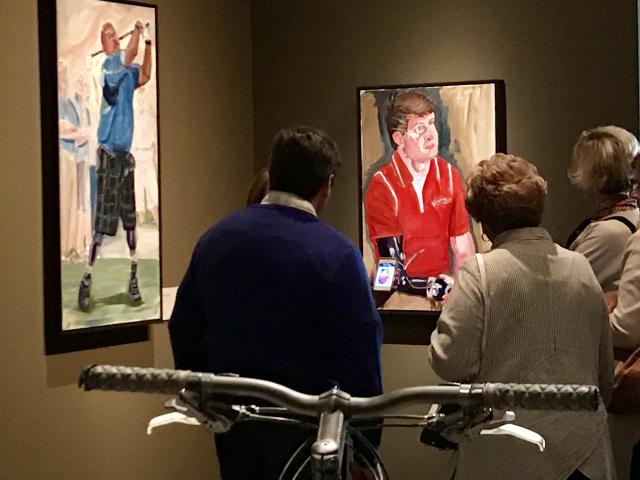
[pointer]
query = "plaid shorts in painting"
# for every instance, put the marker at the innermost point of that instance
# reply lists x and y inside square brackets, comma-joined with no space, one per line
[115,194]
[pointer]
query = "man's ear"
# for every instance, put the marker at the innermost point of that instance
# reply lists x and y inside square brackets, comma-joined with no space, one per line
[320,199]
[397,137]
[327,187]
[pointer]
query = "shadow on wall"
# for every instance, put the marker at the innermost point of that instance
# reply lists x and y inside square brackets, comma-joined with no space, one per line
[64,369]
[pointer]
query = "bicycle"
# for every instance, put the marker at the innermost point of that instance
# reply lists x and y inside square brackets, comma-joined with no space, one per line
[458,409]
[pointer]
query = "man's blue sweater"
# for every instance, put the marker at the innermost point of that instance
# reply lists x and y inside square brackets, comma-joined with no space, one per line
[273,293]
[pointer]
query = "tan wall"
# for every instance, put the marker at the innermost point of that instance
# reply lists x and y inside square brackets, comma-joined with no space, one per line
[567,65]
[48,427]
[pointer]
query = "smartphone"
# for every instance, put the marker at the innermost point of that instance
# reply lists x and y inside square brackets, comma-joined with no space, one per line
[385,274]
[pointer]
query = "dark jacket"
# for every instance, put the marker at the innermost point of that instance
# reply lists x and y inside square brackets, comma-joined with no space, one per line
[273,293]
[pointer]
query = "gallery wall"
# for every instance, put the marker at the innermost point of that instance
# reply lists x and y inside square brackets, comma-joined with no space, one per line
[567,66]
[48,427]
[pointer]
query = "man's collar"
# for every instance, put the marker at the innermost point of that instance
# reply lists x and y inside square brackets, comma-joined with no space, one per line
[403,171]
[286,199]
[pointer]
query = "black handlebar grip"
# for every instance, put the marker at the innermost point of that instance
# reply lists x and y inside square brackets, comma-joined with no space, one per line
[135,379]
[540,396]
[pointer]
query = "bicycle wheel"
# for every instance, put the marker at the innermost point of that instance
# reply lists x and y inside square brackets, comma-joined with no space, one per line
[367,456]
[298,463]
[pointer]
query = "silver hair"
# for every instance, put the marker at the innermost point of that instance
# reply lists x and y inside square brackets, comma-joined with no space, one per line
[602,159]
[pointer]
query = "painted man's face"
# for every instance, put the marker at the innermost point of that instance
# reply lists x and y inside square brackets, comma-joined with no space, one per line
[110,41]
[420,142]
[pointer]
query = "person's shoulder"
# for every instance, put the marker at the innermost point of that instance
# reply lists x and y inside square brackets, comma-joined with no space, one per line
[387,167]
[565,252]
[470,268]
[333,253]
[333,238]
[444,163]
[633,215]
[232,220]
[275,217]
[472,262]
[450,166]
[609,229]
[626,221]
[576,271]
[631,255]
[384,171]
[633,243]
[384,181]
[575,258]
[324,244]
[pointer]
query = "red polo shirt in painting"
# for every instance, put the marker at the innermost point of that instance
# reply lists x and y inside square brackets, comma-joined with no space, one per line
[393,208]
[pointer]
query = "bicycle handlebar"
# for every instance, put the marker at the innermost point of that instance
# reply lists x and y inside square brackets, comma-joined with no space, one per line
[494,395]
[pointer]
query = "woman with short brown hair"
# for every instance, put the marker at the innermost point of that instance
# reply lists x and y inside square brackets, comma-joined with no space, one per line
[527,311]
[505,192]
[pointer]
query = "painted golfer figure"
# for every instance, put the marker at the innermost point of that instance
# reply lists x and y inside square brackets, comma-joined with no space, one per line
[115,197]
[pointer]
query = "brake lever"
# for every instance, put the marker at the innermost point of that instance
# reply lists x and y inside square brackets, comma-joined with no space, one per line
[456,424]
[518,432]
[186,412]
[182,414]
[507,417]
[212,414]
[168,418]
[505,426]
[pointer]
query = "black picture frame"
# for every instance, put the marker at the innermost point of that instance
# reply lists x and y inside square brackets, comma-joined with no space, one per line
[59,339]
[394,318]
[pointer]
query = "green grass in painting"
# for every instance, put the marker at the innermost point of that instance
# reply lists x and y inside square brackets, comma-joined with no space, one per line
[109,301]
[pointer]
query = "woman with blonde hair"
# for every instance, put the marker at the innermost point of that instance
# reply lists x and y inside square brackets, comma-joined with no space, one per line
[527,311]
[602,164]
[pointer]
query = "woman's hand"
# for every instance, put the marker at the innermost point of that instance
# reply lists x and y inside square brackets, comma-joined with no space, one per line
[450,280]
[611,299]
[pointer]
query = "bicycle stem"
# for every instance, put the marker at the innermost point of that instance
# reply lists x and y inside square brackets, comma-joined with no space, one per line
[327,450]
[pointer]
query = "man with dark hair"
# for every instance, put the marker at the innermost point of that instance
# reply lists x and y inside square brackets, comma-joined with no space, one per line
[273,293]
[414,205]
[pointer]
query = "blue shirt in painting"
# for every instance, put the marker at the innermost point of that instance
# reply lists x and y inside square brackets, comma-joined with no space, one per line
[273,293]
[115,130]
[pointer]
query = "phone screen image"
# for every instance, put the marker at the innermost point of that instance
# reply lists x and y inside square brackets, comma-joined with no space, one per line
[385,274]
